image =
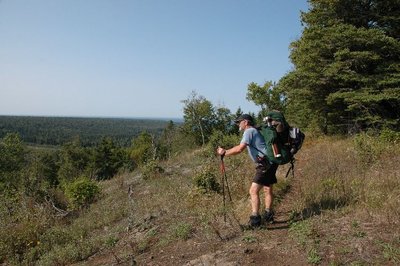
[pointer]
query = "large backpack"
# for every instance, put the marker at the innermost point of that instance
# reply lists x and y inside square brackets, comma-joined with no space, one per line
[282,141]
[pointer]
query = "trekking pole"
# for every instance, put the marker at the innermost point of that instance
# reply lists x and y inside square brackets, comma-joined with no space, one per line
[224,176]
[223,186]
[224,180]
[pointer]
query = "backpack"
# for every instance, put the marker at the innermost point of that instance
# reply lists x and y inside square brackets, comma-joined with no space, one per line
[282,141]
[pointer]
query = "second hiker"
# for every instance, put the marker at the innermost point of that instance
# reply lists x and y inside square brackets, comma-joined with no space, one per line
[264,177]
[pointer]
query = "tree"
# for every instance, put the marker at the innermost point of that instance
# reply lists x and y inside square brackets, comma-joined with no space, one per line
[347,67]
[12,160]
[40,174]
[107,159]
[73,161]
[267,96]
[223,120]
[167,139]
[199,117]
[143,148]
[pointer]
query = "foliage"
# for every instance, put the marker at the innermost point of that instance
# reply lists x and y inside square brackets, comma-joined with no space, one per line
[266,96]
[367,148]
[12,160]
[206,180]
[21,225]
[143,148]
[48,168]
[219,139]
[223,120]
[182,230]
[73,160]
[60,130]
[151,168]
[333,184]
[12,153]
[167,140]
[390,136]
[346,75]
[40,174]
[370,146]
[38,184]
[108,159]
[198,114]
[82,192]
[201,118]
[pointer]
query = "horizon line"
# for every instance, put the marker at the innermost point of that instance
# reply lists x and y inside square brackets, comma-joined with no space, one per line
[104,117]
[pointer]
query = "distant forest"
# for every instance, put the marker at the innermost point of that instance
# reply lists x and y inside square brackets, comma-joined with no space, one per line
[90,131]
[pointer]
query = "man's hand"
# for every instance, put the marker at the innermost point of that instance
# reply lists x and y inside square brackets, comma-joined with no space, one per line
[221,151]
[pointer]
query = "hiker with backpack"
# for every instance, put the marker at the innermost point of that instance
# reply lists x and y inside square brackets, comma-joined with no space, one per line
[265,175]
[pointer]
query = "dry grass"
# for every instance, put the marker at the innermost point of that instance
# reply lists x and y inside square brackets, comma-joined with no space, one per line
[345,209]
[335,175]
[349,199]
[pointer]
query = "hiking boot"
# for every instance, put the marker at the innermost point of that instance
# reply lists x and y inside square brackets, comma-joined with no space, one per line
[268,217]
[255,221]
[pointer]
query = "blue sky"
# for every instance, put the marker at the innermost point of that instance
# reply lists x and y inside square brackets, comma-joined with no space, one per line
[140,58]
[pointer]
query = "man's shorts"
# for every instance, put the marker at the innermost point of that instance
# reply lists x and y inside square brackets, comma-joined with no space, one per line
[265,173]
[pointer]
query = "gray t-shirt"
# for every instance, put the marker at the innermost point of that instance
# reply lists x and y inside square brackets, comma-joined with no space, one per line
[255,143]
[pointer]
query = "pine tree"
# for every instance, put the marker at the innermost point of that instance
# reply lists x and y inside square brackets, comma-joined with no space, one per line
[347,67]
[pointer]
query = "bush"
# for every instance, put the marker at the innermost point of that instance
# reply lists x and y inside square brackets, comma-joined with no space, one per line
[151,168]
[206,180]
[182,231]
[20,228]
[367,148]
[82,192]
[390,136]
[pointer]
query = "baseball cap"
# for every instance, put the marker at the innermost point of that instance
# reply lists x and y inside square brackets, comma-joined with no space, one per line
[244,117]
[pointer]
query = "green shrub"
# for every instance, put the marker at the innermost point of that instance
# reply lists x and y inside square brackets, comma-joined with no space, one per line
[82,192]
[20,230]
[206,180]
[367,148]
[182,231]
[151,168]
[390,136]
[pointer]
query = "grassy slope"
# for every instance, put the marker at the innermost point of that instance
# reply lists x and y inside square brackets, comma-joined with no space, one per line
[342,207]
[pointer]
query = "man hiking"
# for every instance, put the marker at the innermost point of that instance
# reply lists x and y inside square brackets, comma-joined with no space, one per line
[265,171]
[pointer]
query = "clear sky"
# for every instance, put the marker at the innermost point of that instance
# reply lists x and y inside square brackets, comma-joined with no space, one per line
[140,58]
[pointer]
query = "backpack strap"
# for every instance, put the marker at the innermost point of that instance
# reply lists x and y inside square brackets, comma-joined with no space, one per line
[290,168]
[251,146]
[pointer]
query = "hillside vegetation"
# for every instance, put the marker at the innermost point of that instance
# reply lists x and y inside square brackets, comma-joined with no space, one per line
[341,207]
[117,192]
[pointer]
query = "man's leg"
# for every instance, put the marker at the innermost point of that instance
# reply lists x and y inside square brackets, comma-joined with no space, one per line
[255,198]
[269,196]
